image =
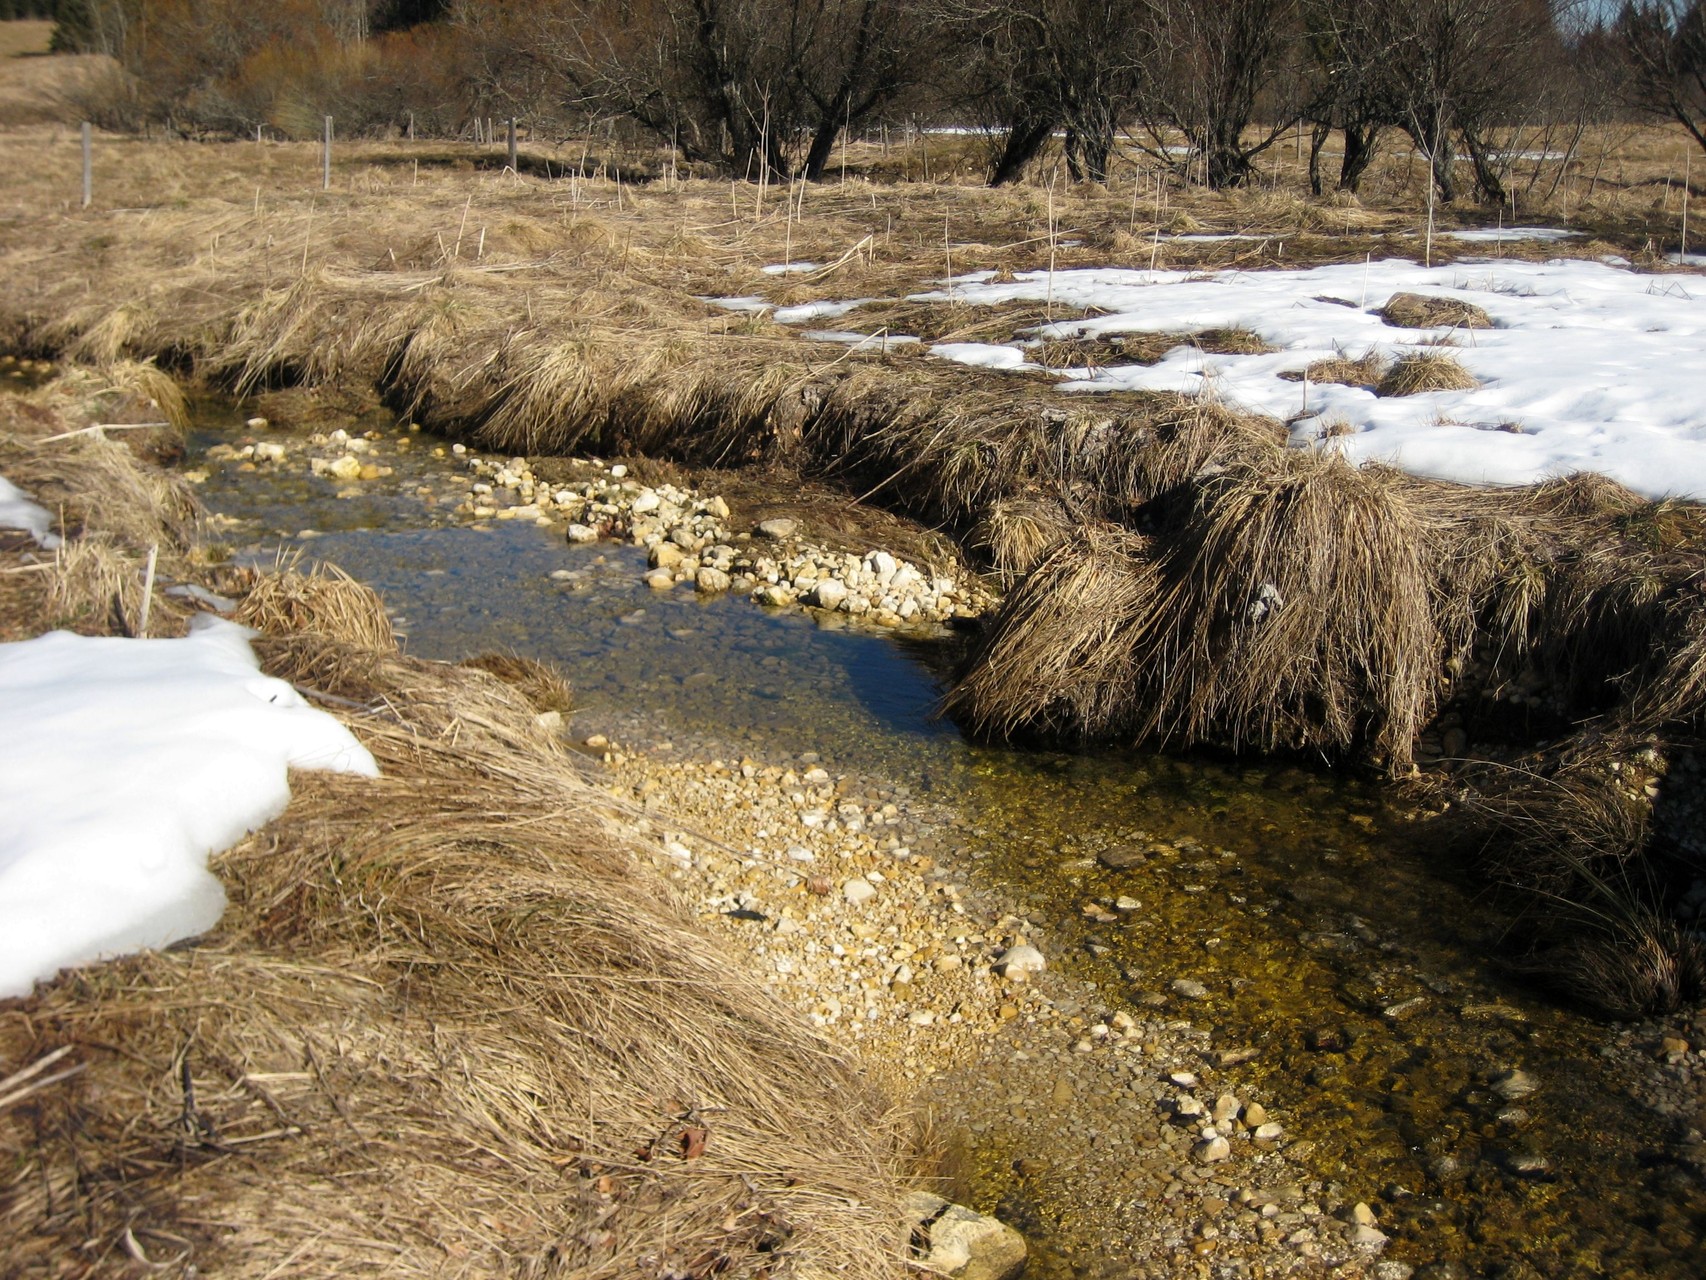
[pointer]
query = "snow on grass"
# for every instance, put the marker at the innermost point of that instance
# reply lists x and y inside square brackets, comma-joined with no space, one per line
[791,268]
[17,511]
[123,765]
[1494,235]
[861,341]
[1589,368]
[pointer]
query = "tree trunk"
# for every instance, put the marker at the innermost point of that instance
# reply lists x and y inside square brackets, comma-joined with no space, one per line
[1488,180]
[1361,145]
[1317,141]
[1024,140]
[1444,164]
[823,146]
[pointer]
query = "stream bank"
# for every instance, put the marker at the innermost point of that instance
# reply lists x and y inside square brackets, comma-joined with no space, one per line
[1283,914]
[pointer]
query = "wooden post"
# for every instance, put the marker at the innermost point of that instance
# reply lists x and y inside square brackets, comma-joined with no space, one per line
[514,160]
[88,165]
[326,158]
[411,126]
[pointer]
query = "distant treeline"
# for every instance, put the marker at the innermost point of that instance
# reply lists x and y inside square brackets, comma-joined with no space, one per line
[1199,87]
[11,10]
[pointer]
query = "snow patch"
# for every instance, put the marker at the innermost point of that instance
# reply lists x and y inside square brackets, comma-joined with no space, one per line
[19,511]
[1589,367]
[123,765]
[1494,235]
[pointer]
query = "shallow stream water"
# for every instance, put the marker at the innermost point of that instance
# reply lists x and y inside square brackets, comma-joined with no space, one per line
[1353,959]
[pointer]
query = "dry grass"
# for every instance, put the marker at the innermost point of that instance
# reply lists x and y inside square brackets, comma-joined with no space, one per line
[1418,372]
[453,1021]
[1018,533]
[27,37]
[1568,835]
[323,602]
[1421,311]
[1366,370]
[1292,609]
[1230,342]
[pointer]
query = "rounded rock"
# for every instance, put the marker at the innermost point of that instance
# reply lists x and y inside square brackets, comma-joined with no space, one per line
[1020,962]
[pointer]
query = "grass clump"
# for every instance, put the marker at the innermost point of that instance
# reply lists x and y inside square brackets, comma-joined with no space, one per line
[1291,608]
[1419,372]
[1366,370]
[1230,342]
[1427,311]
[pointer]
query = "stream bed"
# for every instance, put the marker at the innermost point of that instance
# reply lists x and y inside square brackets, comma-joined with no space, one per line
[1356,964]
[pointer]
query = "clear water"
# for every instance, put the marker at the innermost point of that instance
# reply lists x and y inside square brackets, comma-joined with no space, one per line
[1297,897]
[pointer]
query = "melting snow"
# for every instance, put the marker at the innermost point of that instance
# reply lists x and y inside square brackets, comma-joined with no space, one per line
[1494,235]
[123,765]
[17,511]
[1599,369]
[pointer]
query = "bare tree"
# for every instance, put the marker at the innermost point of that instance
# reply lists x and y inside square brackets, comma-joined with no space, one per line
[1351,90]
[750,85]
[1225,75]
[1663,43]
[1028,69]
[1452,74]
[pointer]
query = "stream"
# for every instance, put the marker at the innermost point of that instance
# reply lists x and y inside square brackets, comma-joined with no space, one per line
[1358,963]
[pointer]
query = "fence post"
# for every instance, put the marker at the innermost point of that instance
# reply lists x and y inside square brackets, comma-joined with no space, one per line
[514,165]
[411,126]
[326,164]
[88,165]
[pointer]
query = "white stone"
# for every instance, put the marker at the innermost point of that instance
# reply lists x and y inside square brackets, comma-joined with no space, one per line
[1020,962]
[858,891]
[961,1243]
[829,594]
[1212,1150]
[582,533]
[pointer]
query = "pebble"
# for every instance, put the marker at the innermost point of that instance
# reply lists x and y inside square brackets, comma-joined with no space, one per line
[778,528]
[1122,857]
[1188,989]
[1514,1084]
[1020,962]
[1212,1150]
[858,891]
